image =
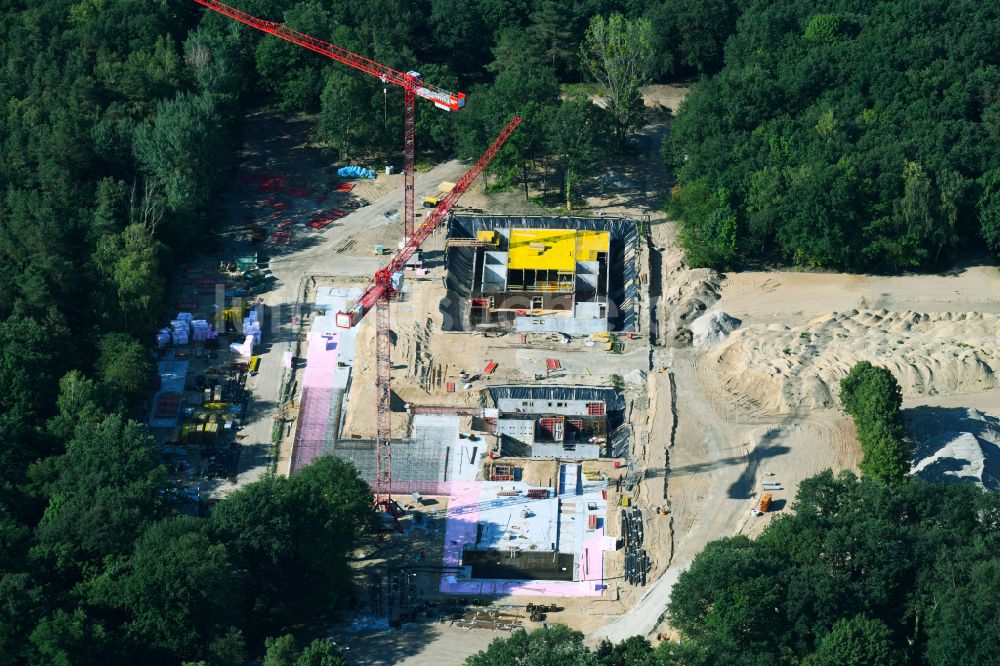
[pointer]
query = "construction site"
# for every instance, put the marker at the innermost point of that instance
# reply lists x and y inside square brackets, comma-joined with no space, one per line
[574,276]
[491,370]
[554,412]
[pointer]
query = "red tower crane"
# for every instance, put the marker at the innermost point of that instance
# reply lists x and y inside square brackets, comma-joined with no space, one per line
[410,82]
[388,280]
[384,285]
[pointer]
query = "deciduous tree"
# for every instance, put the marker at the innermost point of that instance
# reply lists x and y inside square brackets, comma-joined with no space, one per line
[102,493]
[618,53]
[557,645]
[178,590]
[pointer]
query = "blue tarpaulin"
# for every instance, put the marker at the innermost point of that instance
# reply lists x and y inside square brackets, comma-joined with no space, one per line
[355,172]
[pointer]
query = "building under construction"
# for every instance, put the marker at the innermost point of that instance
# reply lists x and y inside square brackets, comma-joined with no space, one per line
[553,428]
[575,276]
[511,538]
[436,456]
[565,422]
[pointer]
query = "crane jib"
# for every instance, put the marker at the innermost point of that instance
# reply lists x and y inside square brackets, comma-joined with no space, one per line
[380,286]
[442,99]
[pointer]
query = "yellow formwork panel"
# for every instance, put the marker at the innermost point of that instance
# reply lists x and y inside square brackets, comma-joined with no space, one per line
[590,243]
[543,250]
[488,237]
[555,249]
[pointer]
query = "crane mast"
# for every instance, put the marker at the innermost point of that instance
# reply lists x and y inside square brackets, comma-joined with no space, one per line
[411,83]
[388,280]
[386,283]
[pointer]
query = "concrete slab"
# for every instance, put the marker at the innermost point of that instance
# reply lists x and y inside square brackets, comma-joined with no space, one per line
[498,516]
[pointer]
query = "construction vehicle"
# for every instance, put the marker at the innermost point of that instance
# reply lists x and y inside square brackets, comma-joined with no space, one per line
[431,202]
[761,507]
[246,263]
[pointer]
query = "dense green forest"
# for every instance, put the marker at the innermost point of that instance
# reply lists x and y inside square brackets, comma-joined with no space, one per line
[119,121]
[845,134]
[863,572]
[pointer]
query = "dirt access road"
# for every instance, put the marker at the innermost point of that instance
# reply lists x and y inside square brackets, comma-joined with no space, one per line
[343,249]
[720,453]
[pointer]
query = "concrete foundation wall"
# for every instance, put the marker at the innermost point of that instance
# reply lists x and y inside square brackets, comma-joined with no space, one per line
[567,325]
[525,300]
[494,272]
[557,450]
[547,406]
[523,430]
[590,311]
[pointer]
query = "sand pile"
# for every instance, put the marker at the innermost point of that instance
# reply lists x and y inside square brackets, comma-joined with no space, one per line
[688,292]
[712,328]
[953,445]
[784,368]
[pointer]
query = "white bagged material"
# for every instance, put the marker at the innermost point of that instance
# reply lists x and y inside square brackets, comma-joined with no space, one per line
[243,349]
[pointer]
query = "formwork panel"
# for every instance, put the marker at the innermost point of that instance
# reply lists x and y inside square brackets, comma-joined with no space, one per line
[543,249]
[590,243]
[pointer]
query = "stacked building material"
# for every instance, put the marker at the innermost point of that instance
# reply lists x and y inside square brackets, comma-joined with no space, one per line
[637,563]
[243,349]
[355,172]
[168,406]
[180,331]
[163,337]
[201,330]
[251,325]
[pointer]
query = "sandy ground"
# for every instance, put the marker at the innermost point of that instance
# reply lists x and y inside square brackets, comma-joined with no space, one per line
[762,297]
[782,367]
